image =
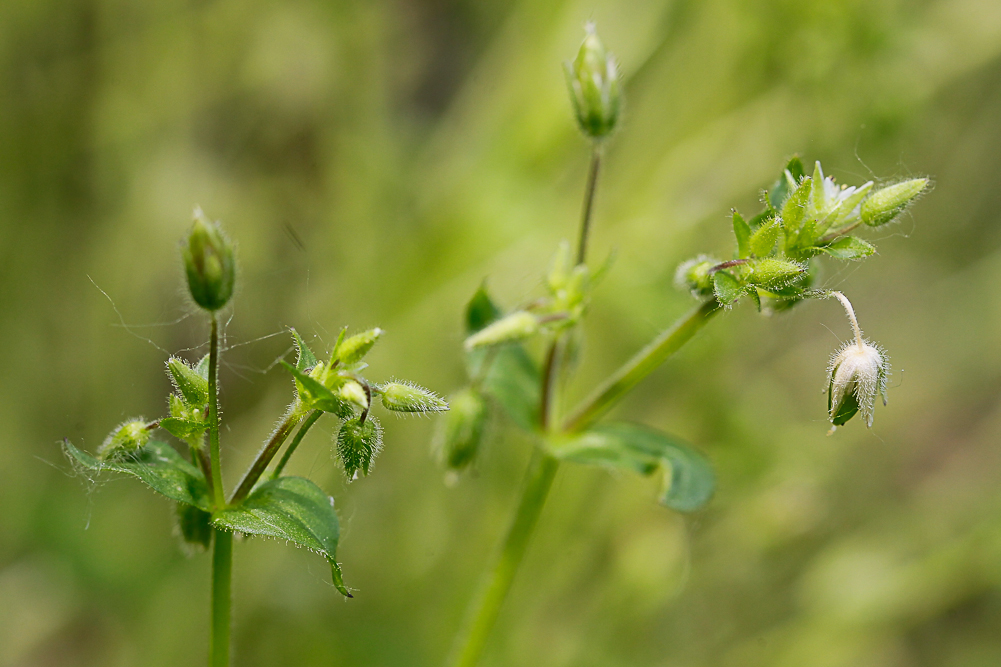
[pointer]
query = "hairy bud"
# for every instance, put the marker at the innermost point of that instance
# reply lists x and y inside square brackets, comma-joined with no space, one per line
[694,275]
[593,81]
[208,263]
[886,204]
[358,443]
[407,397]
[515,326]
[130,435]
[192,385]
[858,372]
[461,431]
[353,349]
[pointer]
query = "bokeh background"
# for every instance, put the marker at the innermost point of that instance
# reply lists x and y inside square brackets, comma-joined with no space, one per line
[375,160]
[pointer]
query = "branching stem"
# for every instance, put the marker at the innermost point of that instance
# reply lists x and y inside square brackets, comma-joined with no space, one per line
[268,452]
[306,425]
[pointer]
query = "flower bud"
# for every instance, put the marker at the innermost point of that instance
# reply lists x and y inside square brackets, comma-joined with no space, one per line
[208,263]
[193,387]
[461,430]
[771,272]
[351,350]
[858,373]
[514,327]
[694,275]
[886,204]
[358,443]
[130,435]
[594,87]
[353,392]
[407,397]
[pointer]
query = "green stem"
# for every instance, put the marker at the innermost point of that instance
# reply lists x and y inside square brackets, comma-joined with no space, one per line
[217,490]
[222,577]
[271,447]
[589,190]
[310,420]
[538,480]
[641,365]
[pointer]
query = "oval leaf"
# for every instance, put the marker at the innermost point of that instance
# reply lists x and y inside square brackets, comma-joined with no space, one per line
[689,480]
[727,288]
[158,465]
[513,380]
[293,509]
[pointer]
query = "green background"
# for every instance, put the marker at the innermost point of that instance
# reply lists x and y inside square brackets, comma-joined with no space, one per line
[374,161]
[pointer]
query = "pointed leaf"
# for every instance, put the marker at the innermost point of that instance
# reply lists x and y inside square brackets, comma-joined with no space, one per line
[763,240]
[849,247]
[742,231]
[183,429]
[513,380]
[292,509]
[158,465]
[305,359]
[688,476]
[480,311]
[794,208]
[788,179]
[727,288]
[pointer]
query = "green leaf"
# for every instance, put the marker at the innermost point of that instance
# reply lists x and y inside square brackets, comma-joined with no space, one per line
[305,359]
[688,476]
[513,380]
[742,231]
[849,247]
[292,509]
[727,288]
[195,525]
[158,465]
[480,311]
[183,429]
[794,208]
[790,176]
[763,240]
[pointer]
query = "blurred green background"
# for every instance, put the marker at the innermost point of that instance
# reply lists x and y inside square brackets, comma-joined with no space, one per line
[374,161]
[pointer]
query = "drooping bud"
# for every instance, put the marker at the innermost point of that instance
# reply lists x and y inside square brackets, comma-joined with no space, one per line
[193,387]
[886,204]
[208,263]
[354,348]
[694,275]
[593,81]
[358,443]
[515,326]
[408,397]
[129,436]
[858,372]
[461,430]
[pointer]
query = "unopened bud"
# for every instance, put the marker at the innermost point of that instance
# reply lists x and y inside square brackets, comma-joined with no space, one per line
[407,397]
[593,81]
[354,348]
[193,387]
[515,326]
[771,272]
[461,430]
[858,372]
[694,275]
[208,263]
[353,392]
[886,204]
[358,443]
[130,435]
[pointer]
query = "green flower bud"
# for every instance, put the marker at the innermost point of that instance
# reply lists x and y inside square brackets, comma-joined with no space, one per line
[408,397]
[193,387]
[770,272]
[353,392]
[515,326]
[208,263]
[130,435]
[351,350]
[594,87]
[358,444]
[461,430]
[694,275]
[886,204]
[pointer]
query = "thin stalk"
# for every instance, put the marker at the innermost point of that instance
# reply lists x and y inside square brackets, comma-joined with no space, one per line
[217,490]
[268,452]
[310,420]
[538,480]
[589,190]
[222,577]
[641,365]
[851,316]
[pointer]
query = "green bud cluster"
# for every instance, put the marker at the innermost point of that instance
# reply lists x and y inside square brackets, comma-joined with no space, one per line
[593,81]
[208,263]
[188,405]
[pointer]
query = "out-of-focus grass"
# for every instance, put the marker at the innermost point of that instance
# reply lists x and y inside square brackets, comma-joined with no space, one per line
[414,148]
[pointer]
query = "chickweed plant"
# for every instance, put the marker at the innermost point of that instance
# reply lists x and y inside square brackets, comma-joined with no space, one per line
[293,509]
[773,265]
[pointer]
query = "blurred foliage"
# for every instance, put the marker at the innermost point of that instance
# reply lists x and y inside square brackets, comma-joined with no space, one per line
[374,161]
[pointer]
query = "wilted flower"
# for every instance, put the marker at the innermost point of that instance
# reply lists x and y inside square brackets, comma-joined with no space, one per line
[858,372]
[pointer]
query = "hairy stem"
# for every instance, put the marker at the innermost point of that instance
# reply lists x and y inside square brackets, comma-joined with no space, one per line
[310,420]
[642,364]
[216,465]
[589,190]
[538,480]
[222,576]
[851,316]
[268,452]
